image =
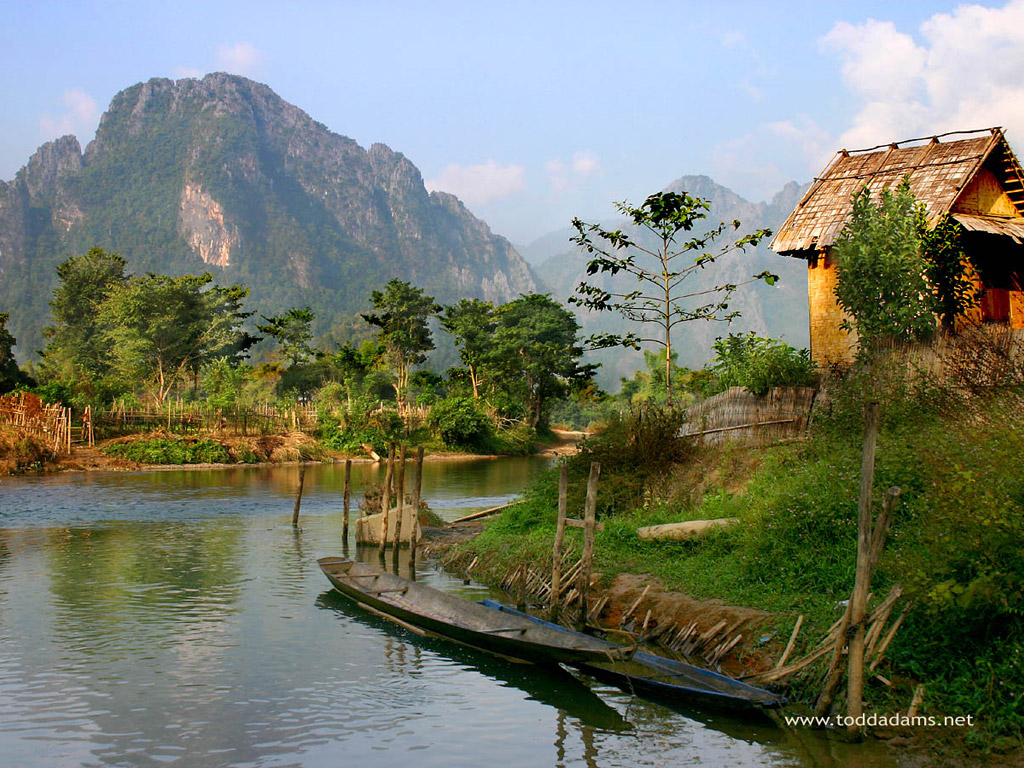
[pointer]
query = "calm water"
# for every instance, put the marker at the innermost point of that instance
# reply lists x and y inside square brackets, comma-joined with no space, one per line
[176,618]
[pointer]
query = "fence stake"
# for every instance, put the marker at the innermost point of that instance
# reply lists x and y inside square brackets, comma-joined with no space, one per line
[556,566]
[590,523]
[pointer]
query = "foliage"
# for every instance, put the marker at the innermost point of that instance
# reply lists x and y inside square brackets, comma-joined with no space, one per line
[460,423]
[664,297]
[881,272]
[649,386]
[536,353]
[760,364]
[163,328]
[171,451]
[11,376]
[403,312]
[292,332]
[78,350]
[223,381]
[947,268]
[472,324]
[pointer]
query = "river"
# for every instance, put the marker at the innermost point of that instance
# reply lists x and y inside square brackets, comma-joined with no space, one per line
[176,618]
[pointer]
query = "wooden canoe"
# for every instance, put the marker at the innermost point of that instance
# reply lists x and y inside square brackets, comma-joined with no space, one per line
[439,613]
[661,679]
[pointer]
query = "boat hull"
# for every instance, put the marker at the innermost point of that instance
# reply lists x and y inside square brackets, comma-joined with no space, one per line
[665,680]
[439,613]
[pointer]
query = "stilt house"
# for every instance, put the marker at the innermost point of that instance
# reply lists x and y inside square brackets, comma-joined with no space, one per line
[971,175]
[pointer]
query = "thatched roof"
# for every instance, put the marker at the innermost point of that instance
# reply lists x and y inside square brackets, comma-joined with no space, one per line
[939,169]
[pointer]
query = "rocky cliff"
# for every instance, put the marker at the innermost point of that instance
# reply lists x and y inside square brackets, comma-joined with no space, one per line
[223,175]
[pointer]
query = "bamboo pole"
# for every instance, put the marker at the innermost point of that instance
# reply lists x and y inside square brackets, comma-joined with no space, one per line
[590,520]
[556,555]
[298,498]
[348,498]
[791,643]
[385,502]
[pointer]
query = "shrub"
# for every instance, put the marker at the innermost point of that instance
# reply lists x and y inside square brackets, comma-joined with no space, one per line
[760,364]
[171,451]
[460,423]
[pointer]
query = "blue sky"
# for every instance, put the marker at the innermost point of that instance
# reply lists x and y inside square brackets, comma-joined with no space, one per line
[535,112]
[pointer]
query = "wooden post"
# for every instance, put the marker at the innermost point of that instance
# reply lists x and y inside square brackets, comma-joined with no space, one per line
[862,580]
[385,501]
[556,565]
[417,489]
[401,500]
[298,498]
[348,498]
[590,523]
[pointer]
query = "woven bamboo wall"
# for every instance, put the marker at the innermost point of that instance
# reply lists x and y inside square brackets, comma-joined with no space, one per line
[739,415]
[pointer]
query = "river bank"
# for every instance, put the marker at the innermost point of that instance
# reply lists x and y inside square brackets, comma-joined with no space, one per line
[28,454]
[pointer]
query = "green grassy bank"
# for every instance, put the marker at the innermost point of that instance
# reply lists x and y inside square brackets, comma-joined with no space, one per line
[954,544]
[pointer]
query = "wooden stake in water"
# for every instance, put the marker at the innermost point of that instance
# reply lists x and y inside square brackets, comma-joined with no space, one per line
[385,502]
[298,498]
[401,501]
[556,554]
[416,490]
[348,497]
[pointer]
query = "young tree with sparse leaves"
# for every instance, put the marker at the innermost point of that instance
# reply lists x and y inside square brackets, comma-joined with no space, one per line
[663,273]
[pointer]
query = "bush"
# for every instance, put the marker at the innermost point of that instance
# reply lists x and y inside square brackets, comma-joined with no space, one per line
[760,364]
[171,451]
[460,423]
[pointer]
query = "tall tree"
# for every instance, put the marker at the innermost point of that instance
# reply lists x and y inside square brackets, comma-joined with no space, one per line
[11,376]
[880,270]
[78,349]
[664,298]
[292,330]
[163,328]
[403,315]
[472,324]
[537,351]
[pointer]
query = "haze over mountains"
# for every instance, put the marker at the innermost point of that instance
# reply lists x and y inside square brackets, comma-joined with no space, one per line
[222,175]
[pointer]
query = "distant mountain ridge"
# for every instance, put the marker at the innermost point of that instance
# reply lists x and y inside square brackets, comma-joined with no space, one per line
[776,311]
[222,175]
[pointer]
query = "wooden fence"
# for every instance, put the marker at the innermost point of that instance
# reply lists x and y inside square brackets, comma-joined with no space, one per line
[29,415]
[737,414]
[196,417]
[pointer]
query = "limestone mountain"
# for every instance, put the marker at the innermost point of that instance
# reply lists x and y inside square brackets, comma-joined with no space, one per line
[776,311]
[222,175]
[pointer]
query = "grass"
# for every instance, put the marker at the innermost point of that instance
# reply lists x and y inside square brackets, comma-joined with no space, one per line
[954,544]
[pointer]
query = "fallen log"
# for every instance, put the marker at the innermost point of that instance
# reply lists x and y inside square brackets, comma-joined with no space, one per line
[688,530]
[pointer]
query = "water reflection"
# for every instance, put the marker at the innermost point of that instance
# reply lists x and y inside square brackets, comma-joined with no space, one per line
[177,617]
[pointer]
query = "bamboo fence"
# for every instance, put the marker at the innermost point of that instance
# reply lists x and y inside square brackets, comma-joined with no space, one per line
[29,415]
[736,414]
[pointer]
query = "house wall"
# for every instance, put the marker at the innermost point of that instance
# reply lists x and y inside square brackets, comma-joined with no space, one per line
[830,344]
[984,196]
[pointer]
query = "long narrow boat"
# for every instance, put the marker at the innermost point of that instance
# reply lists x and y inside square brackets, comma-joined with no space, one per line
[658,678]
[439,613]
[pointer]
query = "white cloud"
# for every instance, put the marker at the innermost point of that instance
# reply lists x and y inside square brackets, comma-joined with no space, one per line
[479,184]
[964,73]
[564,176]
[239,59]
[188,72]
[585,163]
[79,117]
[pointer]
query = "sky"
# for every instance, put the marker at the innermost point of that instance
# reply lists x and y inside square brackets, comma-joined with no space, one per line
[536,112]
